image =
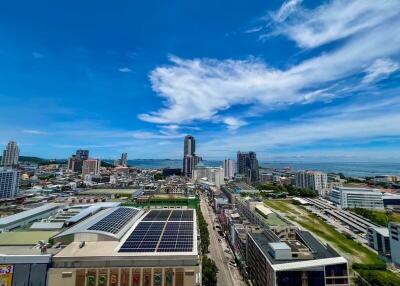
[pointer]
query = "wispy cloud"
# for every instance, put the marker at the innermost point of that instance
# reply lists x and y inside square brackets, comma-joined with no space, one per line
[33,131]
[381,68]
[335,20]
[125,70]
[288,8]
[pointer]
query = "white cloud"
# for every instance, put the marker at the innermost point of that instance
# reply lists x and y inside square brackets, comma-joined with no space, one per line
[32,131]
[125,70]
[198,89]
[345,124]
[253,30]
[335,20]
[233,123]
[381,68]
[287,8]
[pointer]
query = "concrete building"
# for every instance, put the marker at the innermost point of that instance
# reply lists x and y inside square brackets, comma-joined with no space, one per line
[394,238]
[346,197]
[190,160]
[124,159]
[247,165]
[75,162]
[296,262]
[378,239]
[314,180]
[10,155]
[148,253]
[9,182]
[229,168]
[91,167]
[82,154]
[214,175]
[26,217]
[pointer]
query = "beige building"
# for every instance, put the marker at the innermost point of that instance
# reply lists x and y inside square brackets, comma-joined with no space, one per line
[91,167]
[153,248]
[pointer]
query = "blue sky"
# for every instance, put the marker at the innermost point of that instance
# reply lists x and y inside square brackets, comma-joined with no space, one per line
[288,79]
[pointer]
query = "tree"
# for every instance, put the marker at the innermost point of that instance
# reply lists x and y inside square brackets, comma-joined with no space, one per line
[210,271]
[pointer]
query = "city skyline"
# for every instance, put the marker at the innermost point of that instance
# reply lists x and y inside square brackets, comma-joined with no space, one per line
[287,79]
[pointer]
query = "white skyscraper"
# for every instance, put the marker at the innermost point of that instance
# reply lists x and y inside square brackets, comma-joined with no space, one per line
[10,155]
[229,168]
[9,182]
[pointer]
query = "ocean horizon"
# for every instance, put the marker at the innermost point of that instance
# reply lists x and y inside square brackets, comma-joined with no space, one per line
[354,169]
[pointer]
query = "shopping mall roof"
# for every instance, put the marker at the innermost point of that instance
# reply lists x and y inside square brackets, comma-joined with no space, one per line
[111,222]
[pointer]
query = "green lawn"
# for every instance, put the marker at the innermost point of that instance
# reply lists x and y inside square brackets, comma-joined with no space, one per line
[354,251]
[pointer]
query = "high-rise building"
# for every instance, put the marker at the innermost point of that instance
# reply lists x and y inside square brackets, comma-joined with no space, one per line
[394,231]
[247,165]
[9,182]
[91,167]
[314,180]
[10,155]
[189,145]
[229,168]
[124,159]
[75,162]
[214,175]
[82,154]
[190,159]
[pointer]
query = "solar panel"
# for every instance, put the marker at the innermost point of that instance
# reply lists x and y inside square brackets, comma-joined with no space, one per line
[115,221]
[177,237]
[181,215]
[162,231]
[157,215]
[144,238]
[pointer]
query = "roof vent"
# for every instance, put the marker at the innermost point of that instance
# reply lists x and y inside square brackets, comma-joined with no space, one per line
[81,244]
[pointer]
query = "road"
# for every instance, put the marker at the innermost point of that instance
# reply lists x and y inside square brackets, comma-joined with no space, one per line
[227,275]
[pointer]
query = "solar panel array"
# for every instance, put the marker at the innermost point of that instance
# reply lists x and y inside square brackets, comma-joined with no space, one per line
[162,231]
[115,221]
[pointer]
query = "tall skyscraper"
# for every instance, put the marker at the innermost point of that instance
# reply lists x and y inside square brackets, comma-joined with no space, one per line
[9,182]
[10,155]
[189,145]
[247,165]
[75,162]
[189,155]
[229,168]
[124,159]
[91,167]
[82,154]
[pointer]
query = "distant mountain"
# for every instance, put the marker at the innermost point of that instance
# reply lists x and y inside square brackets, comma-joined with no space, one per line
[40,161]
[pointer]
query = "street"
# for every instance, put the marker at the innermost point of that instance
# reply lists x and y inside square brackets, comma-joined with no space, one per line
[228,275]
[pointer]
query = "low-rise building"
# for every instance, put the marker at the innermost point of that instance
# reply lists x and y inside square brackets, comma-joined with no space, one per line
[346,197]
[160,248]
[394,237]
[24,218]
[302,260]
[378,239]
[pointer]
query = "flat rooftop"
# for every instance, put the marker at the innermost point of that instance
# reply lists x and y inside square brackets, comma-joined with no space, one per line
[25,237]
[159,234]
[266,241]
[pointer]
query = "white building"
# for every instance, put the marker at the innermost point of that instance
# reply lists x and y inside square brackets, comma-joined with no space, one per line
[314,180]
[214,175]
[10,154]
[346,197]
[91,166]
[394,230]
[9,182]
[229,168]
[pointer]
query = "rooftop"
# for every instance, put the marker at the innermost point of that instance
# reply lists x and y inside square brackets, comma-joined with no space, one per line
[25,237]
[305,242]
[28,213]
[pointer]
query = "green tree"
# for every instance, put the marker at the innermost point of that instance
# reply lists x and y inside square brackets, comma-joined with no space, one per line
[210,271]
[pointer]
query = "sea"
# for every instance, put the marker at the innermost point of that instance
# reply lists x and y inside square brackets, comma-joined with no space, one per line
[352,169]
